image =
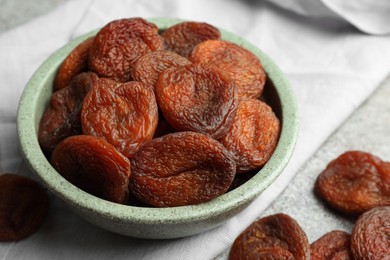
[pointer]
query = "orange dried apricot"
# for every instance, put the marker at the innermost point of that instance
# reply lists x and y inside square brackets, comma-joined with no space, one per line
[355,182]
[333,245]
[75,63]
[61,118]
[23,207]
[273,237]
[119,44]
[197,98]
[125,114]
[183,37]
[370,237]
[243,67]
[93,165]
[148,68]
[253,136]
[179,169]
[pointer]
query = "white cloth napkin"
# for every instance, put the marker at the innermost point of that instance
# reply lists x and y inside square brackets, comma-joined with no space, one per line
[332,68]
[366,15]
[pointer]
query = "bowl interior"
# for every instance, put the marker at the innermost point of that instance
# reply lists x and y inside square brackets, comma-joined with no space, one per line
[37,94]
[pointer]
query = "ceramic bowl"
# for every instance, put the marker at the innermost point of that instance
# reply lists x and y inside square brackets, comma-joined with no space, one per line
[144,222]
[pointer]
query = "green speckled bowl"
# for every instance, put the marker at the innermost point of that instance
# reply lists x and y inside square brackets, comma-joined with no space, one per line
[155,222]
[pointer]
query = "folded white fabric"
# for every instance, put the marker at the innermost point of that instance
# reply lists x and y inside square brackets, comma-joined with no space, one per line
[368,16]
[331,66]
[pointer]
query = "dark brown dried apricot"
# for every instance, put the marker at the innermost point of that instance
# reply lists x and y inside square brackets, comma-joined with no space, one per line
[125,114]
[197,98]
[119,44]
[62,116]
[334,245]
[253,136]
[182,168]
[273,237]
[148,67]
[75,63]
[183,37]
[370,237]
[23,207]
[240,64]
[93,165]
[355,182]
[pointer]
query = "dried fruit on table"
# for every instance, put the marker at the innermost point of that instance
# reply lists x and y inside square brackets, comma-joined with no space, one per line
[93,165]
[243,67]
[148,67]
[273,237]
[335,244]
[182,168]
[355,182]
[119,44]
[75,63]
[253,136]
[197,98]
[183,37]
[61,118]
[125,114]
[370,237]
[23,207]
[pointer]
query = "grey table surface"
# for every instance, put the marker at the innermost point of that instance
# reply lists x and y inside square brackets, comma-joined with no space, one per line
[366,129]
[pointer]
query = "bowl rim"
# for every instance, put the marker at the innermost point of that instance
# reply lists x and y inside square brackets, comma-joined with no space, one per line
[36,160]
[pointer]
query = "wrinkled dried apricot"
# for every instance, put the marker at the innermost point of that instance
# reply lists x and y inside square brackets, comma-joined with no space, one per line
[148,67]
[253,135]
[119,44]
[197,98]
[125,114]
[93,165]
[75,63]
[62,116]
[182,168]
[23,207]
[183,37]
[355,182]
[273,237]
[332,246]
[370,237]
[241,65]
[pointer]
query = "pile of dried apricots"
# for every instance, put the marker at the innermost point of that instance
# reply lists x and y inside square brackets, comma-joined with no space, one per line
[171,118]
[167,118]
[355,183]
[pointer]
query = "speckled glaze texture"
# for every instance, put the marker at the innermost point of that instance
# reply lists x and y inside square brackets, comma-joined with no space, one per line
[156,223]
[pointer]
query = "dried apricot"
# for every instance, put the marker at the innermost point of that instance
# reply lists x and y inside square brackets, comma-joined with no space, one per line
[197,98]
[333,245]
[183,37]
[370,237]
[148,67]
[125,114]
[182,168]
[119,44]
[241,65]
[253,136]
[62,116]
[75,63]
[93,165]
[355,182]
[273,237]
[23,207]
